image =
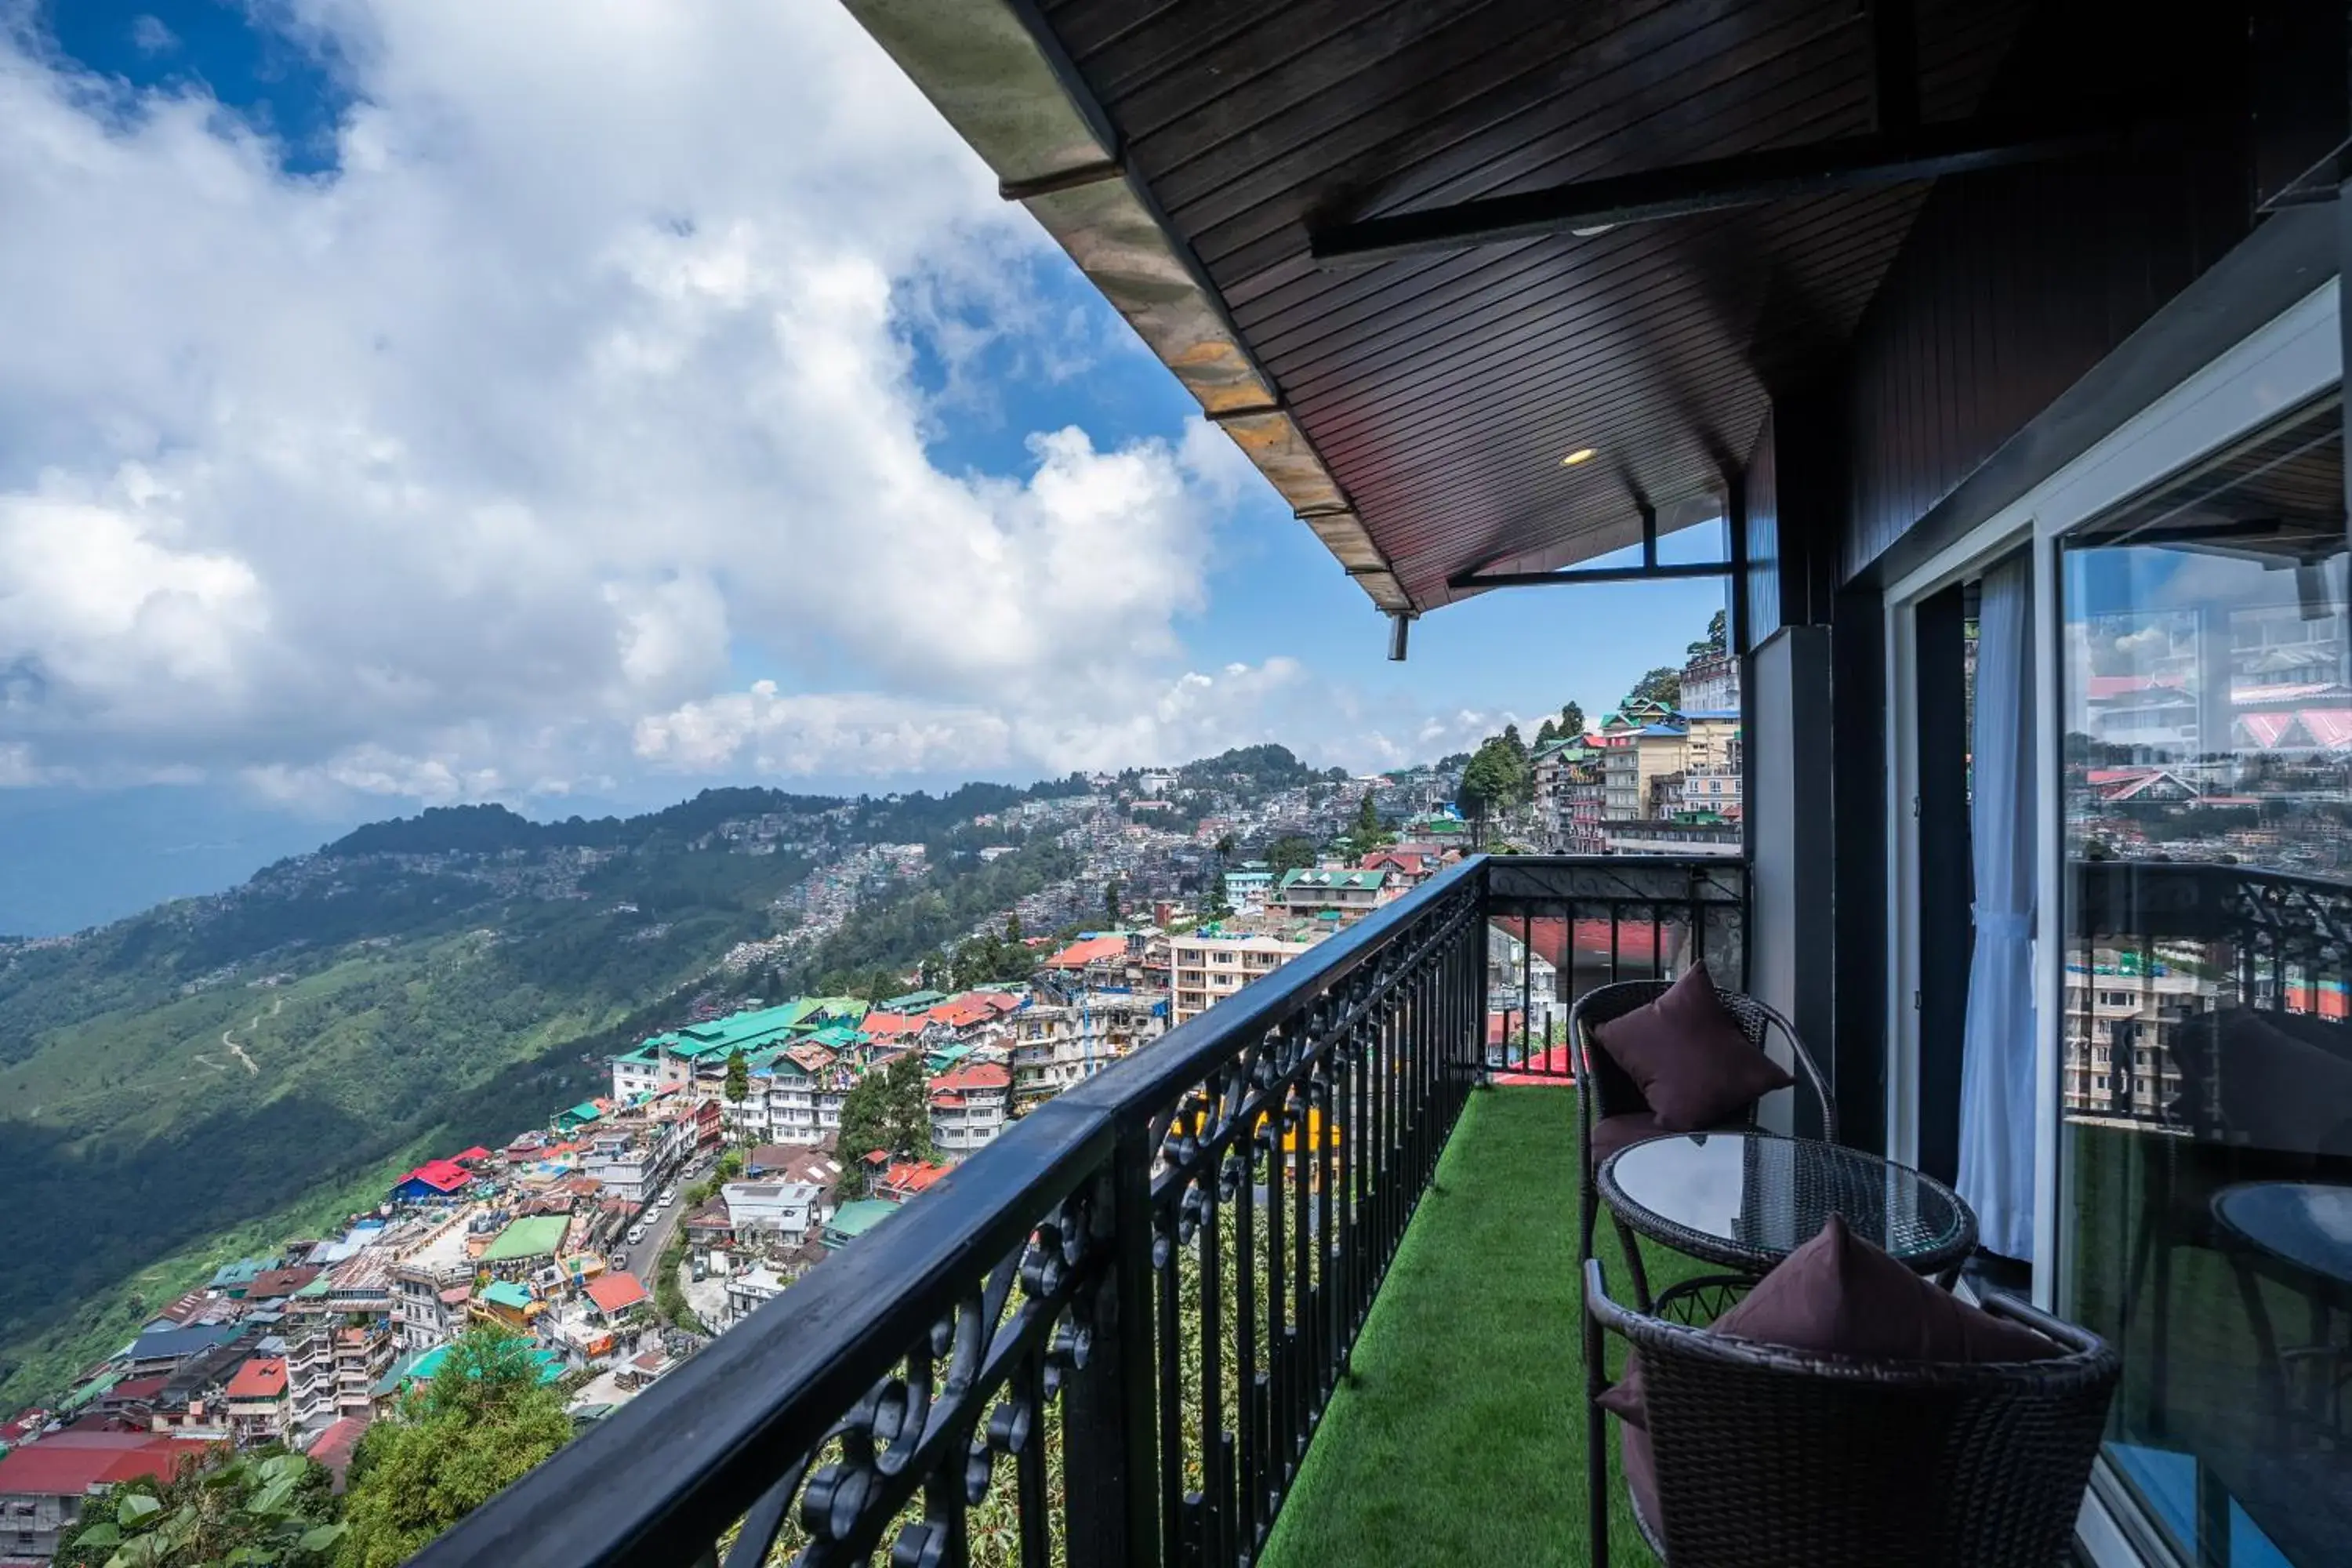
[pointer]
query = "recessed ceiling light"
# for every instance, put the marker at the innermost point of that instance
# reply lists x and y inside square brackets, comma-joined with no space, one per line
[1588,232]
[1582,454]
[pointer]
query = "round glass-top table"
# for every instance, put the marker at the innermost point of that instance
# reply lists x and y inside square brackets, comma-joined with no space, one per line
[2307,1225]
[1746,1200]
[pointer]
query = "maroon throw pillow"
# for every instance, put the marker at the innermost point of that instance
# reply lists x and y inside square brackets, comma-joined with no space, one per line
[1840,1295]
[1686,1055]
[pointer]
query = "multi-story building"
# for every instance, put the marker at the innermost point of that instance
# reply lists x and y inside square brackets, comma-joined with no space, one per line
[2121,1013]
[622,1165]
[969,1106]
[422,1275]
[1248,885]
[309,1384]
[788,1212]
[1712,788]
[363,1353]
[797,1097]
[1649,836]
[1630,769]
[1583,804]
[1209,966]
[1057,1044]
[1711,682]
[1325,890]
[255,1401]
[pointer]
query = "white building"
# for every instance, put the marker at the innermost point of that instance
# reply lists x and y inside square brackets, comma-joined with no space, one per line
[746,1291]
[969,1106]
[420,1275]
[1056,1044]
[1204,968]
[791,1211]
[627,1168]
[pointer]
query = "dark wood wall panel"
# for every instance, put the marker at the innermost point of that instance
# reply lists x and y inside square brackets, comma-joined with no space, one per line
[2012,284]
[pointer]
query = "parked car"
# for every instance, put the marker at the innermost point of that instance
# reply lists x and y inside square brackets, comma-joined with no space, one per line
[637,1233]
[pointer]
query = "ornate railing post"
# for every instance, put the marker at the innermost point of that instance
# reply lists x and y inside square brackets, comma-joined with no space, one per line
[1109,1400]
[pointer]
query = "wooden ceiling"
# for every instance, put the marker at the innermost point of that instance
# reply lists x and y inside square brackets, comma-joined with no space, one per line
[1416,411]
[1443,392]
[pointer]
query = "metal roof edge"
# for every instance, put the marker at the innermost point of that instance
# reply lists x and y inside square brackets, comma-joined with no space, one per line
[999,77]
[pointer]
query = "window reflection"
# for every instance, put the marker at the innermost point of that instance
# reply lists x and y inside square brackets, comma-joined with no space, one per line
[2205,1150]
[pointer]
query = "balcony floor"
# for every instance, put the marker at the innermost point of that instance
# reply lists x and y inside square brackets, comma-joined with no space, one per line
[1460,1437]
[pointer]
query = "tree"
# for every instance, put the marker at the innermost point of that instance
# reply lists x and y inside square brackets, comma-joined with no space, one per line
[1572,720]
[739,1078]
[1487,783]
[1013,928]
[449,1448]
[1714,642]
[1369,832]
[1547,732]
[268,1507]
[1662,685]
[1290,852]
[1226,847]
[1111,901]
[889,1111]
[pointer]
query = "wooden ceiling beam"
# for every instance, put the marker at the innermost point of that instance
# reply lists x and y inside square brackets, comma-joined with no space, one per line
[1748,179]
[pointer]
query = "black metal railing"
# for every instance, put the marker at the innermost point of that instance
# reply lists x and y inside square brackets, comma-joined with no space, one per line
[1578,921]
[1108,1337]
[2154,945]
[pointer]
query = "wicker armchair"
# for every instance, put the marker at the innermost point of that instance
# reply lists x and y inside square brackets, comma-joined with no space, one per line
[1761,1457]
[1605,1092]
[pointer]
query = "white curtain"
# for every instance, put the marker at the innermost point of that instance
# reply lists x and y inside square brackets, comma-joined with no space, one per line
[1997,1057]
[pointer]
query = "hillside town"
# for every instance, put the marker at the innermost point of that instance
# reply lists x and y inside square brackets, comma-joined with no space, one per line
[731,1154]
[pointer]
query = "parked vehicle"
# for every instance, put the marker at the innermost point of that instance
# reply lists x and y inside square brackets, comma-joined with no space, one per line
[636,1234]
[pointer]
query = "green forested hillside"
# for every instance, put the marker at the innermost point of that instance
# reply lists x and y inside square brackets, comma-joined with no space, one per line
[213,1069]
[219,1074]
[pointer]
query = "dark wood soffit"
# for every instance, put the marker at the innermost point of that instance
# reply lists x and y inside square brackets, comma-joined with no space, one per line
[1442,392]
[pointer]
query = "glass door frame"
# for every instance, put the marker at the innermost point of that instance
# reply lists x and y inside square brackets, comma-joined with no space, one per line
[2286,362]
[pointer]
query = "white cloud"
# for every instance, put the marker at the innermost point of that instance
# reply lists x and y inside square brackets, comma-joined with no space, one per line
[595,370]
[148,35]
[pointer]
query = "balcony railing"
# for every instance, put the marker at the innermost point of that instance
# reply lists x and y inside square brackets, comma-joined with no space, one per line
[2180,939]
[1108,1338]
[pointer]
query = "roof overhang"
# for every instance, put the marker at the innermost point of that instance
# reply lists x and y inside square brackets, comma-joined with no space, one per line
[1053,152]
[1485,292]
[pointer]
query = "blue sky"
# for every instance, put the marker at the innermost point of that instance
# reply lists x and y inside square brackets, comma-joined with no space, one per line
[430,401]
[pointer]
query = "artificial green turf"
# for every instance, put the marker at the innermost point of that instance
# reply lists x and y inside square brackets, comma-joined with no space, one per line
[1460,1437]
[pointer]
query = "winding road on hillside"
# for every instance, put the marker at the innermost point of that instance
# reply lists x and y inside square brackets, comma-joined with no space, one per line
[277,1006]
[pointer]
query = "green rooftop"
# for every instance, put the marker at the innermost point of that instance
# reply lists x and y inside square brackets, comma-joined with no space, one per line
[537,1236]
[93,1389]
[913,1002]
[747,1031]
[852,1220]
[507,1293]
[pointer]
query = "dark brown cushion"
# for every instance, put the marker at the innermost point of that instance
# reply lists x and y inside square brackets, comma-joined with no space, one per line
[2279,1093]
[1686,1055]
[1840,1295]
[1640,1475]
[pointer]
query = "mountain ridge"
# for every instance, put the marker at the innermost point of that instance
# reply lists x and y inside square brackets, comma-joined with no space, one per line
[182,1076]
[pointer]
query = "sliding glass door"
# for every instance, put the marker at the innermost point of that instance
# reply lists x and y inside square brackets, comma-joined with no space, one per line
[2203,1180]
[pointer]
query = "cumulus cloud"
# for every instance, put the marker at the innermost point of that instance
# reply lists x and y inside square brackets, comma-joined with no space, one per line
[615,344]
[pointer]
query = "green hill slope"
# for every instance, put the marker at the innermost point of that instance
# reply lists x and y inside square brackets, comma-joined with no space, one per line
[216,1067]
